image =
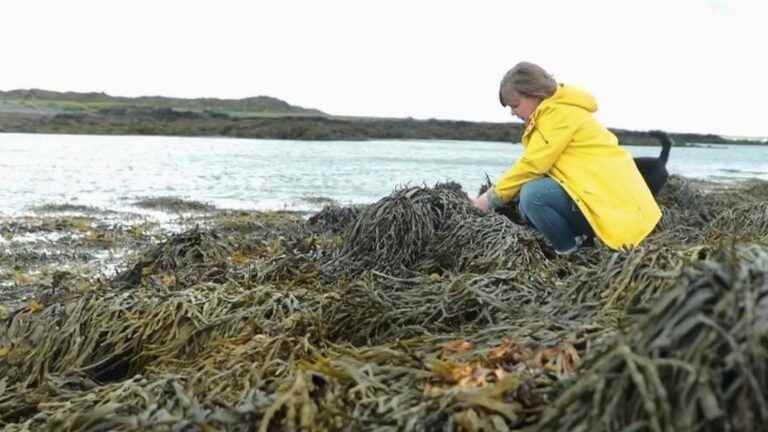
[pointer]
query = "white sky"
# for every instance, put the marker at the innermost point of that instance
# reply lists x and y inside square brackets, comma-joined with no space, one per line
[679,65]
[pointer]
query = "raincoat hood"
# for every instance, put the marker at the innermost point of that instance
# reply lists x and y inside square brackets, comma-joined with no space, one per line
[569,95]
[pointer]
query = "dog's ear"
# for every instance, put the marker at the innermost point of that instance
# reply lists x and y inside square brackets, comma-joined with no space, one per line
[661,135]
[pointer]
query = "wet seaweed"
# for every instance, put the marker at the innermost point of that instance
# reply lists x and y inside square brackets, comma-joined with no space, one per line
[174,204]
[479,244]
[69,208]
[194,256]
[413,313]
[334,218]
[696,361]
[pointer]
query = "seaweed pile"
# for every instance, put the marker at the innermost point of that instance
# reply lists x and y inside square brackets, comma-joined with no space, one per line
[413,313]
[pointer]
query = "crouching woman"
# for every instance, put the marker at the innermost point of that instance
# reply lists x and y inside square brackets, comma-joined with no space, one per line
[573,180]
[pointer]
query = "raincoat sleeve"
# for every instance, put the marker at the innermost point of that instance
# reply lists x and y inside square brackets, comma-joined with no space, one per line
[551,134]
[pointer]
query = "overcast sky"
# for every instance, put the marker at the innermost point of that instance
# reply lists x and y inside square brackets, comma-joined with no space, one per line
[677,65]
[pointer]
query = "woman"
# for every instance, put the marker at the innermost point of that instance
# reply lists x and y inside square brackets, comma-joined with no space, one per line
[573,178]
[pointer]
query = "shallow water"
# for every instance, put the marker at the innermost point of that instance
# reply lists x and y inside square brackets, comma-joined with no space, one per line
[112,172]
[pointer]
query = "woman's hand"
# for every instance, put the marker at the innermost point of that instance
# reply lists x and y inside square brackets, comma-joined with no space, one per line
[482,202]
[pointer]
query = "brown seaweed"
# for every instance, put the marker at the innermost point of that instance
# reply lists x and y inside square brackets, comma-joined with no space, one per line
[413,313]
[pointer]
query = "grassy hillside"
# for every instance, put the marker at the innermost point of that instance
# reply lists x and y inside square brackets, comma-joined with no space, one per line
[52,103]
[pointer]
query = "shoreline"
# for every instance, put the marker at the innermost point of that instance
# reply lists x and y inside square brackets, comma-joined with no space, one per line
[39,110]
[306,128]
[717,146]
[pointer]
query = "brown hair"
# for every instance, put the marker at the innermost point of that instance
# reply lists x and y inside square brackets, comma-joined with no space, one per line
[528,79]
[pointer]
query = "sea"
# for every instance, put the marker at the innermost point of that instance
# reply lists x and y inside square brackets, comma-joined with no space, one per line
[114,172]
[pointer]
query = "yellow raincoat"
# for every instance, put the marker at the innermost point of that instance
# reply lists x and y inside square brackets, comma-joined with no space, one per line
[562,140]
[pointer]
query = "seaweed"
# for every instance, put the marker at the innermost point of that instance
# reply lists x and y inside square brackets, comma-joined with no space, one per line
[415,312]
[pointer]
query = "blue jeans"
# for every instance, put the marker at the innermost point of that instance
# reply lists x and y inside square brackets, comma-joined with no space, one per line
[550,210]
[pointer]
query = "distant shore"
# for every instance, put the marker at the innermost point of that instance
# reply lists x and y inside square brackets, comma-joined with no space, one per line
[40,111]
[172,123]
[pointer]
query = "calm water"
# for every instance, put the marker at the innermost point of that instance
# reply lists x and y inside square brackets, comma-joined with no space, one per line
[112,172]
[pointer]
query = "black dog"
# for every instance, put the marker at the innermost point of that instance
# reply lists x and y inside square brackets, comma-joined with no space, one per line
[654,169]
